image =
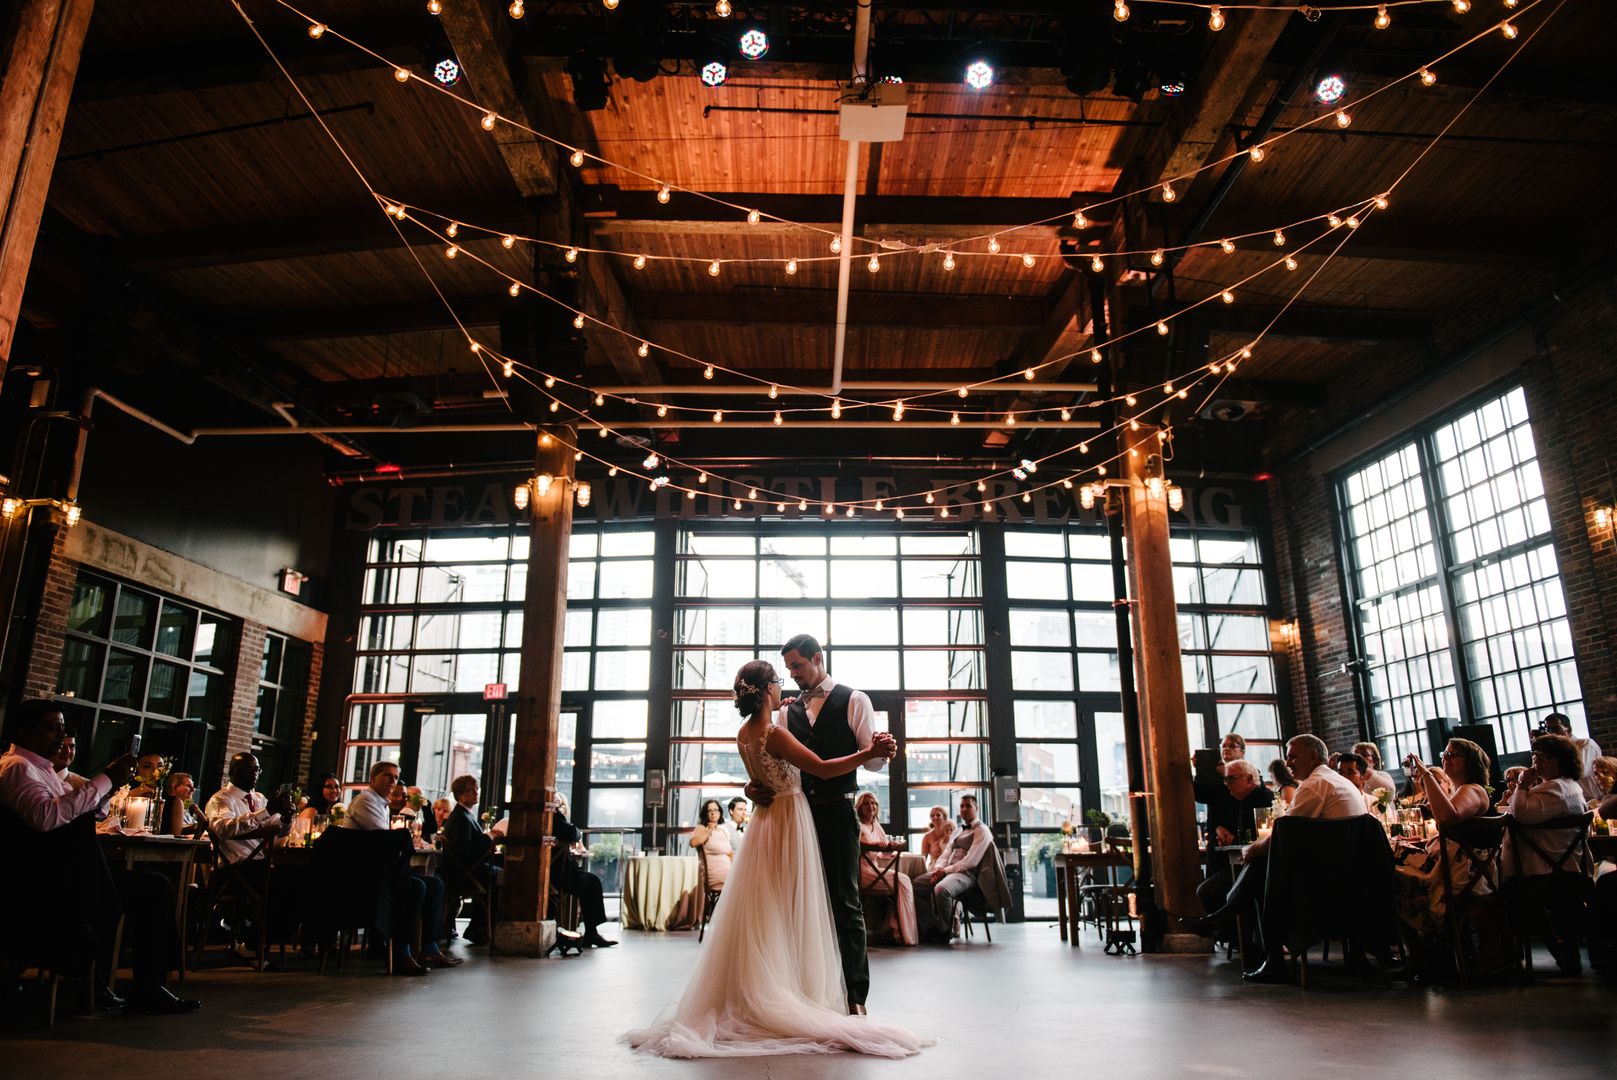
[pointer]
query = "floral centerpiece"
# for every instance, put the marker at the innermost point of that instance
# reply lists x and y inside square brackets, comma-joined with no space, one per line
[337,813]
[1383,797]
[1599,826]
[415,800]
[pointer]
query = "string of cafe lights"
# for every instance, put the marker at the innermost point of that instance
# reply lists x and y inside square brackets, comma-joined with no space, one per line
[1133,421]
[1349,218]
[1167,189]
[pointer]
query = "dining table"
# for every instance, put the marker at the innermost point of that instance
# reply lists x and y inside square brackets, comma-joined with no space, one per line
[661,892]
[132,849]
[1070,867]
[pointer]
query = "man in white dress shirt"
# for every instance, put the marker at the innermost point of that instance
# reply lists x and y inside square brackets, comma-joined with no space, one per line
[43,802]
[241,818]
[1588,751]
[737,822]
[956,872]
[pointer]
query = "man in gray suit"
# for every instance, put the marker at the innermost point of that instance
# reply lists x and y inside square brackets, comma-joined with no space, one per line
[956,872]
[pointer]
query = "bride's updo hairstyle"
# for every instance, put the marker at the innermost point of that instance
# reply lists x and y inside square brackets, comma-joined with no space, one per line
[752,686]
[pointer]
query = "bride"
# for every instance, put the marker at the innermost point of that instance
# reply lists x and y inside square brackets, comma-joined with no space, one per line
[769,978]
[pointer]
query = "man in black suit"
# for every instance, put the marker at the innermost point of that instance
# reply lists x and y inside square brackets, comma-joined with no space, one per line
[466,846]
[576,881]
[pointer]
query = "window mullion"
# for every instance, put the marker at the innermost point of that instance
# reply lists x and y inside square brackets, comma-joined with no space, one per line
[1438,516]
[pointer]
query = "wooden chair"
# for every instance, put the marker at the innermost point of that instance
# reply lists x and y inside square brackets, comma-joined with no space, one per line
[229,886]
[1564,893]
[466,882]
[710,895]
[882,890]
[988,895]
[1474,916]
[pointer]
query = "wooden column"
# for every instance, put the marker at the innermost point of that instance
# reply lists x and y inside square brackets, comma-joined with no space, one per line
[39,70]
[1175,859]
[522,927]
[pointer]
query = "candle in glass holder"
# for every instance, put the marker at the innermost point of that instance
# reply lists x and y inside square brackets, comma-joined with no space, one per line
[1082,846]
[135,810]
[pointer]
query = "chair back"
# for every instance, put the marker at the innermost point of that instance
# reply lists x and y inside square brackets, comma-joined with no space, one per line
[225,879]
[1481,840]
[884,872]
[1564,855]
[57,891]
[1330,878]
[354,870]
[991,880]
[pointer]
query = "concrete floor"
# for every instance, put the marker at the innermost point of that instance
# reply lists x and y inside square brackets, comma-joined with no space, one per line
[1024,1006]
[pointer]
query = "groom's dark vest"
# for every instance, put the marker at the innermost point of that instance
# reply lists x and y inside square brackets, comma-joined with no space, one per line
[829,737]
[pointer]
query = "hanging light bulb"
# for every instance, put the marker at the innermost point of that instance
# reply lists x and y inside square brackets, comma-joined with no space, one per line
[981,486]
[829,509]
[736,504]
[690,496]
[435,7]
[774,391]
[1427,76]
[954,419]
[506,369]
[1462,6]
[571,255]
[1131,401]
[1028,374]
[1383,20]
[780,508]
[1509,30]
[1079,221]
[1027,496]
[1157,257]
[402,74]
[1028,260]
[452,230]
[1342,118]
[662,410]
[1083,448]
[577,159]
[1333,220]
[600,399]
[752,493]
[451,251]
[778,419]
[707,373]
[1257,154]
[1167,388]
[508,241]
[722,9]
[488,121]
[836,245]
[993,245]
[948,260]
[754,217]
[516,10]
[836,409]
[713,268]
[1162,328]
[550,380]
[578,321]
[1010,419]
[555,406]
[639,262]
[1227,296]
[880,504]
[848,512]
[1280,238]
[718,416]
[644,349]
[1168,193]
[701,478]
[1097,264]
[664,193]
[943,511]
[791,266]
[1353,221]
[1066,414]
[1094,356]
[515,289]
[898,411]
[1291,263]
[316,29]
[802,504]
[1120,11]
[874,265]
[400,212]
[1215,19]
[1227,246]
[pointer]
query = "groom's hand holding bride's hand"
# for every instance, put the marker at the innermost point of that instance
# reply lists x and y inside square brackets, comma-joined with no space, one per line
[760,794]
[884,744]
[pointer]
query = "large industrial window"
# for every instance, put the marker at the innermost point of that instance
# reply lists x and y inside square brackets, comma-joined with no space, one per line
[1454,580]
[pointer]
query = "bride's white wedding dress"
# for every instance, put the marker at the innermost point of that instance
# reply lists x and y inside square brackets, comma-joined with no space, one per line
[769,977]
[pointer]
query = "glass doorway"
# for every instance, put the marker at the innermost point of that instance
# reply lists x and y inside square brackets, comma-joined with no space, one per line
[433,740]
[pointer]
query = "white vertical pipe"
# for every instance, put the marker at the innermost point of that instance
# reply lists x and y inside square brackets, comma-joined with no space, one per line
[850,190]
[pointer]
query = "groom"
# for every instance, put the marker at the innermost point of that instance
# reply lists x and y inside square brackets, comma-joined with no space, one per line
[833,720]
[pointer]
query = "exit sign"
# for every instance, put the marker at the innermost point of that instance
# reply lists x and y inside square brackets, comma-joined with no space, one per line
[494,691]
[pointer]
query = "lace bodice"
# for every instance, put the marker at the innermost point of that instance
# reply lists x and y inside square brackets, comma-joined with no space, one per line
[768,769]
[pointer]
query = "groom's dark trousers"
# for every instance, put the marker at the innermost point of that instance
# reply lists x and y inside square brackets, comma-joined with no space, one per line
[837,828]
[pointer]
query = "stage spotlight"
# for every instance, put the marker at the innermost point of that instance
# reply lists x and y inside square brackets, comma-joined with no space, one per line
[979,75]
[446,71]
[588,74]
[1330,90]
[714,73]
[1173,89]
[754,44]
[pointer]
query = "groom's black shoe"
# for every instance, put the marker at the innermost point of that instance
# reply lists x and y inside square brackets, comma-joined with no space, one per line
[596,941]
[856,1010]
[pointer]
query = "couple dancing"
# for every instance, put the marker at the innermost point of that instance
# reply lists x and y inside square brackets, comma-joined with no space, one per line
[783,970]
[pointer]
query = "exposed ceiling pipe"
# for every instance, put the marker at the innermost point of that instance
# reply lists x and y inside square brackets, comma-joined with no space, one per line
[848,386]
[850,190]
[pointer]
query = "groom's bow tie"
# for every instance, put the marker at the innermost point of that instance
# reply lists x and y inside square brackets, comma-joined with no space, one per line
[814,694]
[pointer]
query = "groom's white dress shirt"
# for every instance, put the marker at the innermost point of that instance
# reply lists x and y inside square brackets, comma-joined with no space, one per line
[860,716]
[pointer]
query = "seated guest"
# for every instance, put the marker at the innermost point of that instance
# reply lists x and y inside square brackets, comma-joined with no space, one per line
[712,844]
[417,806]
[955,872]
[1322,792]
[575,880]
[63,761]
[1377,776]
[1587,750]
[1234,820]
[182,817]
[441,809]
[398,801]
[1285,784]
[465,845]
[31,789]
[1419,866]
[1513,776]
[1211,790]
[417,895]
[935,841]
[1605,771]
[901,924]
[736,823]
[326,794]
[1548,789]
[142,785]
[241,818]
[1357,771]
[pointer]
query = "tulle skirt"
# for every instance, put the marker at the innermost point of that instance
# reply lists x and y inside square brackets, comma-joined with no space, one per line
[768,979]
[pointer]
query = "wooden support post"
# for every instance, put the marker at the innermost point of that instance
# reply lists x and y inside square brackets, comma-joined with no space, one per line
[39,70]
[1175,859]
[522,927]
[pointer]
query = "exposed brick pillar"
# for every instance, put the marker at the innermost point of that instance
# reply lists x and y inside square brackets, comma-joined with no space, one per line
[238,733]
[44,662]
[311,700]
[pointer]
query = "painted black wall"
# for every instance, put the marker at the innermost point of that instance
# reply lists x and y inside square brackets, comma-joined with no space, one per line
[243,507]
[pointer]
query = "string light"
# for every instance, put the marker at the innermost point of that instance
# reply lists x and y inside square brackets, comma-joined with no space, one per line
[1066,414]
[578,321]
[489,120]
[1342,118]
[1162,328]
[516,10]
[644,349]
[954,419]
[778,419]
[948,260]
[874,265]
[830,508]
[1353,221]
[1168,193]
[452,230]
[505,369]
[1010,419]
[550,381]
[1120,11]
[577,159]
[836,409]
[451,251]
[1462,6]
[1157,257]
[754,217]
[1096,264]
[662,410]
[1280,238]
[600,399]
[718,416]
[1028,374]
[774,391]
[1427,76]
[1381,202]
[802,504]
[848,512]
[571,255]
[1094,356]
[1383,20]
[515,289]
[791,266]
[993,245]
[1215,19]
[508,241]
[713,268]
[1227,296]
[664,193]
[707,373]
[435,7]
[898,411]
[1131,401]
[1256,153]
[402,74]
[701,478]
[1227,246]
[836,245]
[1028,260]
[639,262]
[1334,221]
[1509,30]
[316,30]
[1291,263]
[1079,221]
[929,499]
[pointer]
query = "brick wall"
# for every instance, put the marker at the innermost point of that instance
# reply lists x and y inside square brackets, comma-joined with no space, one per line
[238,733]
[311,700]
[1571,384]
[50,624]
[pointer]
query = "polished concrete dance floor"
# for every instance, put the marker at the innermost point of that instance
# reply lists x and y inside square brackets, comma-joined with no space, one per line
[1024,1006]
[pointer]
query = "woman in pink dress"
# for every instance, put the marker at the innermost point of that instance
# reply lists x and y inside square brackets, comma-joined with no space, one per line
[712,844]
[901,924]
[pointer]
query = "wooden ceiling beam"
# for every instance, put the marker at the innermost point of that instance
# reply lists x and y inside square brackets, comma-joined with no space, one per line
[1326,325]
[1394,238]
[481,37]
[605,203]
[865,308]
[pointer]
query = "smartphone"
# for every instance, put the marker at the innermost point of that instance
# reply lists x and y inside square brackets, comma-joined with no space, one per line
[132,747]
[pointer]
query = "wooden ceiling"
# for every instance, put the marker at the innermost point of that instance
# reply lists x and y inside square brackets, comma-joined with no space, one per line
[192,167]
